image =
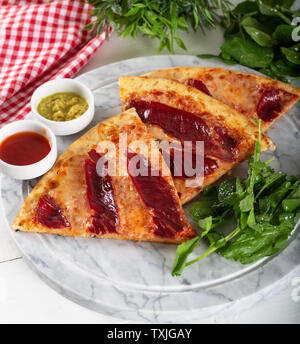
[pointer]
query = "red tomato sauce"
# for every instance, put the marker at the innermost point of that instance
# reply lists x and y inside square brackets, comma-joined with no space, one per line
[24,148]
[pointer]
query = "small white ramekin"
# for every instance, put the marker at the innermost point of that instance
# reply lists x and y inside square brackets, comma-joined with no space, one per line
[64,85]
[38,168]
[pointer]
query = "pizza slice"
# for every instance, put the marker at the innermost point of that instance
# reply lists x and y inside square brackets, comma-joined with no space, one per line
[176,112]
[252,95]
[77,198]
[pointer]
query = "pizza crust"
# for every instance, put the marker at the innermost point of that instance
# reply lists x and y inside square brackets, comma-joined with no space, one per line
[187,98]
[237,89]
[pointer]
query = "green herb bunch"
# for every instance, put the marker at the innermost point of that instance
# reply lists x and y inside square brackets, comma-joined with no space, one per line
[265,207]
[258,34]
[156,18]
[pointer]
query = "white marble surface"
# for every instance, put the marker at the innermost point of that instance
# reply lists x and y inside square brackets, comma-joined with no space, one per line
[100,274]
[47,306]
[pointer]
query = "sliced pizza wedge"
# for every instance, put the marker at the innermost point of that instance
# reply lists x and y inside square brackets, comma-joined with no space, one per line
[252,95]
[174,111]
[77,198]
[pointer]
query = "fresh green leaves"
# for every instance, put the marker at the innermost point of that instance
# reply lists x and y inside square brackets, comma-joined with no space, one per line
[258,35]
[265,207]
[182,253]
[157,19]
[245,7]
[291,55]
[257,32]
[269,8]
[227,192]
[283,33]
[252,245]
[248,53]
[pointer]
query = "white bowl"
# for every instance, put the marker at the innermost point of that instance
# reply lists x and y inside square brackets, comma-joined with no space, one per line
[38,168]
[64,85]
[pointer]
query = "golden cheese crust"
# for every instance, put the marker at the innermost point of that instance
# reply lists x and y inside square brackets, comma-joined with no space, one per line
[66,183]
[239,90]
[187,98]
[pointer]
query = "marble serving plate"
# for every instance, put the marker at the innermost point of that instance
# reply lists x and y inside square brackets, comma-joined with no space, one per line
[132,280]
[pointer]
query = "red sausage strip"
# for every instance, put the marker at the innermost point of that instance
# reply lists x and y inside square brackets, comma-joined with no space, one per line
[187,126]
[100,196]
[157,196]
[199,85]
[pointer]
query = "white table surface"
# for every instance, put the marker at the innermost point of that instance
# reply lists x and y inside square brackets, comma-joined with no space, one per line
[24,298]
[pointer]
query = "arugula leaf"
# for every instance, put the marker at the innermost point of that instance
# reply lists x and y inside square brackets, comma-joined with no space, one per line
[216,245]
[185,249]
[246,204]
[182,253]
[253,245]
[227,191]
[292,202]
[206,223]
[202,209]
[270,202]
[270,181]
[251,220]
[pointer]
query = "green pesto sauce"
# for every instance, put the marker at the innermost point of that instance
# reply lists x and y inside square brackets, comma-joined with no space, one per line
[62,106]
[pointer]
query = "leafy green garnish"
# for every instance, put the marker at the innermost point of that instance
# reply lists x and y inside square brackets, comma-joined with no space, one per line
[252,245]
[156,18]
[248,53]
[258,35]
[257,32]
[265,207]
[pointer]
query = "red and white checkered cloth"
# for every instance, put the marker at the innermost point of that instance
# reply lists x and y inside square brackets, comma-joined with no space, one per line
[40,40]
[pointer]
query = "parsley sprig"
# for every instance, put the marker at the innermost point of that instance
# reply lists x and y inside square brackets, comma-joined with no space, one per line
[156,18]
[265,207]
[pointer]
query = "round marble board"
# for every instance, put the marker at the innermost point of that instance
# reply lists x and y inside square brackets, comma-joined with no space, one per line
[131,280]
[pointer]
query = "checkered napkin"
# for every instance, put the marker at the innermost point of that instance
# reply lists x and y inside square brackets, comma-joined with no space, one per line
[40,40]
